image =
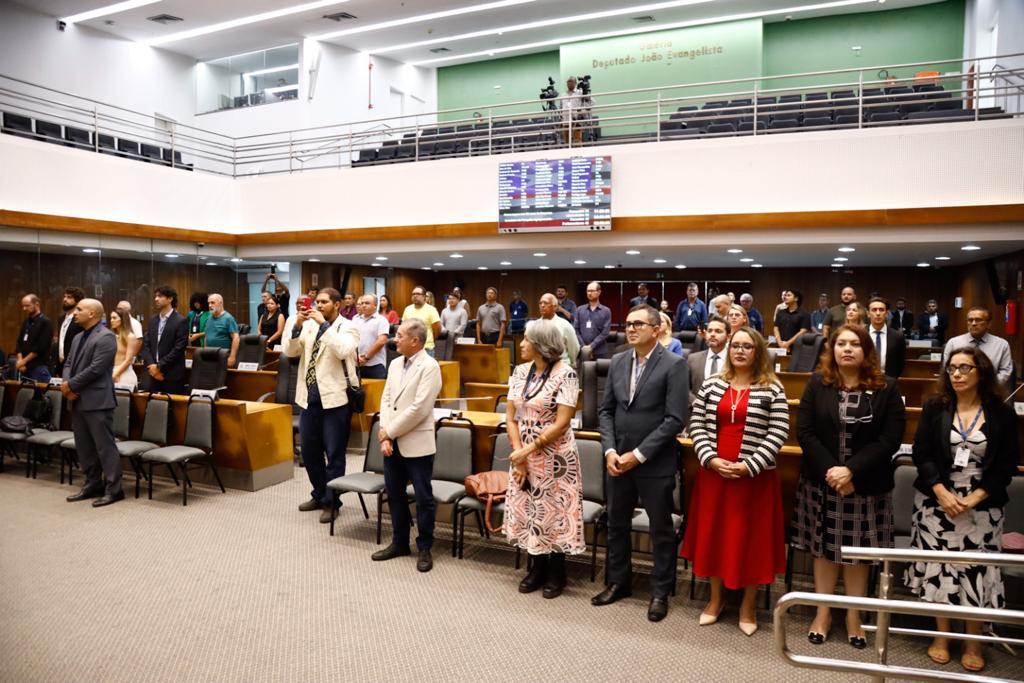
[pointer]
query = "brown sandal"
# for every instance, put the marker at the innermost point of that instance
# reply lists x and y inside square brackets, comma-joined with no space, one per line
[972,662]
[939,655]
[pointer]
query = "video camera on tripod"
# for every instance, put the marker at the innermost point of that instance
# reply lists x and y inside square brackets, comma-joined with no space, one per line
[548,96]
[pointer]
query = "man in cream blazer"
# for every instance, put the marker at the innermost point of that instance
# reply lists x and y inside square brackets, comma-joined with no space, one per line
[406,437]
[325,342]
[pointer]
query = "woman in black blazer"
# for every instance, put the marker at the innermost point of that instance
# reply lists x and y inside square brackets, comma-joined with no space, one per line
[966,453]
[850,424]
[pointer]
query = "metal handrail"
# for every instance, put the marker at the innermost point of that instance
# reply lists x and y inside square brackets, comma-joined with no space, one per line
[885,607]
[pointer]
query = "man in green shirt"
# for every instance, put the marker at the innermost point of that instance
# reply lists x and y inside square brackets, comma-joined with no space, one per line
[837,314]
[221,329]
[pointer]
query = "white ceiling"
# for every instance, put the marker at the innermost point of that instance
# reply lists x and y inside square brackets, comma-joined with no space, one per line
[133,24]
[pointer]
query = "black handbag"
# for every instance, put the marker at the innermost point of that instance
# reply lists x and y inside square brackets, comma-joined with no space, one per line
[356,395]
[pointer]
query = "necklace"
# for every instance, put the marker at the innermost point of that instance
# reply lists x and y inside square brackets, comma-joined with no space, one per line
[734,402]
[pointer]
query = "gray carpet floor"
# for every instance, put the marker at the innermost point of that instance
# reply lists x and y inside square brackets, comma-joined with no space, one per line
[243,587]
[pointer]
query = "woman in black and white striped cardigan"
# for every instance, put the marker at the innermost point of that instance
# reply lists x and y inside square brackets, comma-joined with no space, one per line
[734,533]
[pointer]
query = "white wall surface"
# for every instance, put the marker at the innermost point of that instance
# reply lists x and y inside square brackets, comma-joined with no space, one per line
[932,165]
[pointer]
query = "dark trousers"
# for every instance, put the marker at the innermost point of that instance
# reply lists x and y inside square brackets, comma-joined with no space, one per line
[398,471]
[489,337]
[656,494]
[324,431]
[97,452]
[374,371]
[167,386]
[39,373]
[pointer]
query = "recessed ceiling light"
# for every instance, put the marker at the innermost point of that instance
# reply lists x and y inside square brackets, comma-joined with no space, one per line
[533,25]
[104,11]
[580,262]
[241,21]
[923,264]
[171,255]
[941,258]
[545,267]
[680,266]
[236,260]
[380,258]
[271,70]
[540,254]
[735,251]
[211,263]
[756,265]
[506,263]
[841,259]
[746,260]
[90,250]
[633,252]
[314,260]
[420,18]
[633,31]
[424,267]
[970,247]
[454,255]
[609,267]
[438,264]
[481,267]
[660,260]
[846,250]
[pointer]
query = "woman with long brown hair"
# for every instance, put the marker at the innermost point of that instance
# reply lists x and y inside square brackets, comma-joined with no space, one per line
[734,532]
[966,453]
[850,424]
[127,347]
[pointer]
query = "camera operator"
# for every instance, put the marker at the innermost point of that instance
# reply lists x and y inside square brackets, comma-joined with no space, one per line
[576,105]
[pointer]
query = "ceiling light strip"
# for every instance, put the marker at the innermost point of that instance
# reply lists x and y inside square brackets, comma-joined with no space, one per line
[421,18]
[271,70]
[104,11]
[589,16]
[243,21]
[645,29]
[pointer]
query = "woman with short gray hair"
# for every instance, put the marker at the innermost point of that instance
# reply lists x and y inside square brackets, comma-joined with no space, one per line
[544,505]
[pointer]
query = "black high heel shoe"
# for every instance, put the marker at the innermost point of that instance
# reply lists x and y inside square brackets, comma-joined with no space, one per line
[816,638]
[859,642]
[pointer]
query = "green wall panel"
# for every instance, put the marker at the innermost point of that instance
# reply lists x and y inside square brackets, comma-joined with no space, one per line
[913,34]
[472,85]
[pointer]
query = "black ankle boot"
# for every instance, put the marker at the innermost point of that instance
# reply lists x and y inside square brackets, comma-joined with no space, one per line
[556,576]
[535,577]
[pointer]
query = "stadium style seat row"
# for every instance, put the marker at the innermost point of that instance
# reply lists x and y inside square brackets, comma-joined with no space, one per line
[815,111]
[80,138]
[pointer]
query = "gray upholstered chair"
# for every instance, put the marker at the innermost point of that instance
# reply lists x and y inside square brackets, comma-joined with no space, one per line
[592,467]
[369,482]
[42,441]
[467,505]
[122,425]
[9,440]
[209,369]
[154,435]
[284,391]
[198,445]
[252,348]
[452,464]
[593,376]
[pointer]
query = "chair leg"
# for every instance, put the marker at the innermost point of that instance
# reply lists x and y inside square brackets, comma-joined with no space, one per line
[184,474]
[185,483]
[28,460]
[455,516]
[380,513]
[593,552]
[63,458]
[139,473]
[334,504]
[216,475]
[150,480]
[173,475]
[789,568]
[484,533]
[362,504]
[768,596]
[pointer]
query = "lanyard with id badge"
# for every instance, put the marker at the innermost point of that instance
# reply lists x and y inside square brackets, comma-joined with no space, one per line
[963,452]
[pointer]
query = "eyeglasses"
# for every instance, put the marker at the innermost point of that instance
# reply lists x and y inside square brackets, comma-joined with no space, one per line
[637,324]
[977,320]
[742,347]
[963,369]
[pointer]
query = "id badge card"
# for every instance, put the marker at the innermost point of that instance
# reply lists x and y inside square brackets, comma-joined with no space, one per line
[589,324]
[519,412]
[689,311]
[963,455]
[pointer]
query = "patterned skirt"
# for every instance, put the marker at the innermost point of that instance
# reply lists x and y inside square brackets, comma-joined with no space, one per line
[824,521]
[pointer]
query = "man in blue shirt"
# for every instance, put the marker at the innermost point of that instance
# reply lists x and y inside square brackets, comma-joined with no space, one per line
[221,329]
[819,315]
[518,311]
[593,322]
[566,306]
[754,316]
[691,314]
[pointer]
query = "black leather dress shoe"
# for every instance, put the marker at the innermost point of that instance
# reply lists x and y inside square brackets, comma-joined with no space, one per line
[108,499]
[85,494]
[390,553]
[425,562]
[611,594]
[658,609]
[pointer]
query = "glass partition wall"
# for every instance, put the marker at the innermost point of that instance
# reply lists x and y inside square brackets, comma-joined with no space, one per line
[249,79]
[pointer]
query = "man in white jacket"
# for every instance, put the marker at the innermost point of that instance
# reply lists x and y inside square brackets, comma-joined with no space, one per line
[407,441]
[326,343]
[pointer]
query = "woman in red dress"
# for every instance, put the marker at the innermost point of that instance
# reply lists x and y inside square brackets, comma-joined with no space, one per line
[734,533]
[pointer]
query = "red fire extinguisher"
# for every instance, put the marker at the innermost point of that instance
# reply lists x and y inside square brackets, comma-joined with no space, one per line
[1010,326]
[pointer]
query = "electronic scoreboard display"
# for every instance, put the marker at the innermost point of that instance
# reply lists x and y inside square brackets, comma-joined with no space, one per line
[555,195]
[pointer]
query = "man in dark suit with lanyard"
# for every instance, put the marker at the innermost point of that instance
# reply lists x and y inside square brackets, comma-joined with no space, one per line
[643,410]
[163,347]
[89,388]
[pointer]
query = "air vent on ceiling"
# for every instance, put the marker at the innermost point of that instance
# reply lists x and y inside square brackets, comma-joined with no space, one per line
[165,19]
[339,16]
[646,19]
[439,50]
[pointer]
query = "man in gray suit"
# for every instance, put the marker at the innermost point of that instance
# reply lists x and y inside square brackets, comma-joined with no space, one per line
[644,409]
[711,361]
[89,388]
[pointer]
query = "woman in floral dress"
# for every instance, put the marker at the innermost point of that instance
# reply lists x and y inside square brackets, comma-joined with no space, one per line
[966,453]
[544,505]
